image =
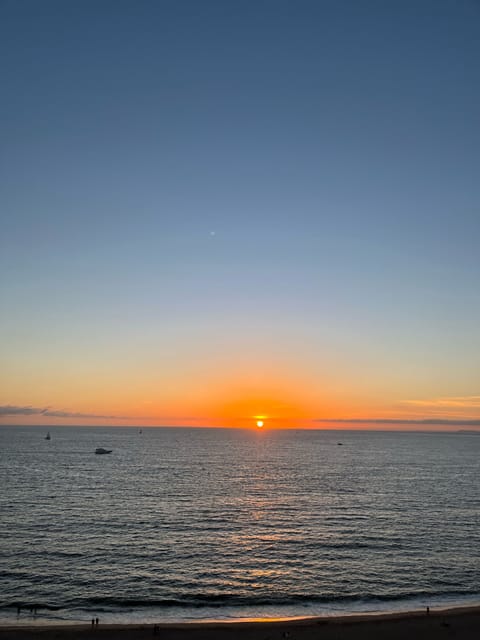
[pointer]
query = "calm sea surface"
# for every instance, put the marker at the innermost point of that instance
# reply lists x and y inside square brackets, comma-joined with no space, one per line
[182,524]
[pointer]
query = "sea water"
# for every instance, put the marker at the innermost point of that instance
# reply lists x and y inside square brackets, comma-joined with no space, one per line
[188,524]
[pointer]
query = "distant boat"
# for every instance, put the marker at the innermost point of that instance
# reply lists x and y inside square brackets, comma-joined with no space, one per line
[101,450]
[140,431]
[340,444]
[47,437]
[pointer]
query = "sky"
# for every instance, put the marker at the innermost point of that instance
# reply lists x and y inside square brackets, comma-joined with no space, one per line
[216,211]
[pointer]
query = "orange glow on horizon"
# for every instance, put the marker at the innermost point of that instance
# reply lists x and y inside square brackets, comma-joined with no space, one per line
[252,393]
[253,397]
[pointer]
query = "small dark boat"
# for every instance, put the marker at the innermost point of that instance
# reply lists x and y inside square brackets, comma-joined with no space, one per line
[101,450]
[47,437]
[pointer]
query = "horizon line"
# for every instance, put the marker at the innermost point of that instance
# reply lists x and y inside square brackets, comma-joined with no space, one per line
[251,428]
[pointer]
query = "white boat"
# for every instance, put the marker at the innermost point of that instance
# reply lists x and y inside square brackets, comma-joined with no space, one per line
[101,450]
[47,437]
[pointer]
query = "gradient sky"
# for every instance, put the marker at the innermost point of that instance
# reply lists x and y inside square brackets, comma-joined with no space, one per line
[212,211]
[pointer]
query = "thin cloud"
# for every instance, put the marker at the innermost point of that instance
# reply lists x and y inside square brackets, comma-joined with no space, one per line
[464,402]
[12,410]
[76,414]
[441,411]
[424,421]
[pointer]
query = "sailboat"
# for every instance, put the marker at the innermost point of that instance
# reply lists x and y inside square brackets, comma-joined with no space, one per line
[47,437]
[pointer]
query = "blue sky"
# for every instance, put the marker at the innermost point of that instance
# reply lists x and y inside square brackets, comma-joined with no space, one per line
[297,182]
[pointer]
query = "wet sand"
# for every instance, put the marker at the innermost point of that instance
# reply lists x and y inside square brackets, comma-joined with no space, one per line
[458,624]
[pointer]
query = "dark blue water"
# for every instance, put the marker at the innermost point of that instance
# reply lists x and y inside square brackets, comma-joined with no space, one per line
[206,523]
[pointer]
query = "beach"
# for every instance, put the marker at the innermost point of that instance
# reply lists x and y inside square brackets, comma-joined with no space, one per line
[459,623]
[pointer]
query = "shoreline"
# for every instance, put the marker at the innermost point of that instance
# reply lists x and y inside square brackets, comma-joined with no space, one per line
[461,621]
[28,619]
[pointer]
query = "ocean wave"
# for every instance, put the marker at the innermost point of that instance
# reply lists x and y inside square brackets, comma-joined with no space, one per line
[196,601]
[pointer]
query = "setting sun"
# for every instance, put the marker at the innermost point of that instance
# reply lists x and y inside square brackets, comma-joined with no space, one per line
[259,424]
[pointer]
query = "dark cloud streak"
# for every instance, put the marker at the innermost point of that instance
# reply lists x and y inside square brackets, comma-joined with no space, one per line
[424,421]
[12,410]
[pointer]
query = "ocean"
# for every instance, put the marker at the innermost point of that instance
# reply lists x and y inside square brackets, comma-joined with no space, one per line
[195,524]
